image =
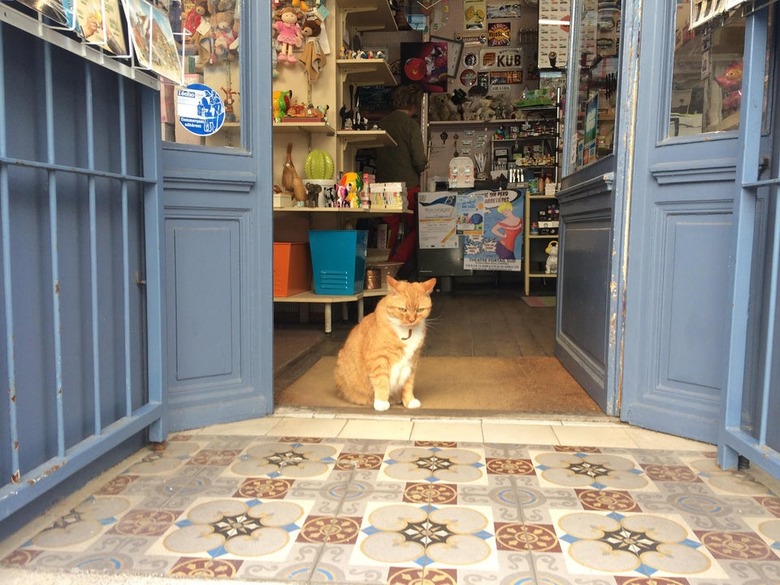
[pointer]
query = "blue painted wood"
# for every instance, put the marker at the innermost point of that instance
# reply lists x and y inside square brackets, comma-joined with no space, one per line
[751,399]
[79,213]
[677,301]
[219,253]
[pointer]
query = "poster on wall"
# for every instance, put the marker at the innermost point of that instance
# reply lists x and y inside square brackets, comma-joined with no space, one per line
[60,11]
[499,34]
[474,13]
[499,245]
[100,23]
[554,18]
[425,64]
[436,213]
[470,212]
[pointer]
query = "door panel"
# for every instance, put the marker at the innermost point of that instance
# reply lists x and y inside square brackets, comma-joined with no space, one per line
[679,272]
[219,250]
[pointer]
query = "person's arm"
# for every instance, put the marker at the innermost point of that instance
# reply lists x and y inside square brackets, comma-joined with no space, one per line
[417,150]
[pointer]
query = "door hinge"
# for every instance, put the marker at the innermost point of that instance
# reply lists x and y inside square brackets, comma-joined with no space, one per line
[138,280]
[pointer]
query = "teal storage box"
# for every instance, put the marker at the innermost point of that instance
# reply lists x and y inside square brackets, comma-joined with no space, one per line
[338,259]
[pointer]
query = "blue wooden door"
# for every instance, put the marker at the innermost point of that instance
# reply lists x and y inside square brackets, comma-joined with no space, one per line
[751,403]
[218,244]
[678,301]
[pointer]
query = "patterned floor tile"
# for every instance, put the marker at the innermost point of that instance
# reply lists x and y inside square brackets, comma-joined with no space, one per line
[308,509]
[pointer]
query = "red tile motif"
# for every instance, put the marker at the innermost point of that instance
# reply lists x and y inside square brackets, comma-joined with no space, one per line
[510,466]
[770,503]
[431,493]
[571,449]
[615,501]
[264,488]
[422,577]
[116,485]
[349,461]
[440,444]
[205,568]
[738,546]
[214,457]
[650,581]
[299,440]
[145,522]
[521,537]
[343,530]
[19,558]
[678,473]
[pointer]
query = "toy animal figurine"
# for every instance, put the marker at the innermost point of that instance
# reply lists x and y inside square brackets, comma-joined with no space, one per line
[291,181]
[230,113]
[551,266]
[288,33]
[353,184]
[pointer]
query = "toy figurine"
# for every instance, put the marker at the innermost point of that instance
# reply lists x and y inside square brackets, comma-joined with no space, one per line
[230,113]
[551,265]
[289,34]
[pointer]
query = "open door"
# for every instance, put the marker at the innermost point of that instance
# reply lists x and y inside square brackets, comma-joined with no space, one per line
[751,402]
[218,243]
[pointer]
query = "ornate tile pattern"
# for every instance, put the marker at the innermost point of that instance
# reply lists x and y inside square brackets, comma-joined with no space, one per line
[292,509]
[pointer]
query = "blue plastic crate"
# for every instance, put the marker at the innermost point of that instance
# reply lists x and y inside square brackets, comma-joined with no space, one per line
[338,259]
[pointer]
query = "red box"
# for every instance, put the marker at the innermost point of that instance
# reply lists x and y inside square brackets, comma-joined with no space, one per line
[292,268]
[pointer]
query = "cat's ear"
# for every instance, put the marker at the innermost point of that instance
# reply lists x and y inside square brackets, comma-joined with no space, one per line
[393,283]
[429,284]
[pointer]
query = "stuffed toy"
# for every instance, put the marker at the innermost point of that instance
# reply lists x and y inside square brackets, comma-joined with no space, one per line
[731,84]
[442,109]
[313,59]
[222,28]
[195,16]
[288,33]
[551,266]
[485,109]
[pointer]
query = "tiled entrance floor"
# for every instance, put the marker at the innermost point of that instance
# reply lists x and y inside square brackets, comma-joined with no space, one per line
[291,499]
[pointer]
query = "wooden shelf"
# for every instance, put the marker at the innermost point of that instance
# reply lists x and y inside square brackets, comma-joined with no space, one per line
[367,71]
[366,138]
[373,14]
[310,127]
[542,275]
[344,210]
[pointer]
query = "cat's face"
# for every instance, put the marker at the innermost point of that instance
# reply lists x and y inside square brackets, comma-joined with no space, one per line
[410,302]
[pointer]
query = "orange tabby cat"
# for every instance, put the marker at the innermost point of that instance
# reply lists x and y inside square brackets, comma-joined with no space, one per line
[378,360]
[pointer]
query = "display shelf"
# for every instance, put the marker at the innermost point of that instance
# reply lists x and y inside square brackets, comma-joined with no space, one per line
[367,71]
[310,127]
[366,138]
[343,210]
[372,14]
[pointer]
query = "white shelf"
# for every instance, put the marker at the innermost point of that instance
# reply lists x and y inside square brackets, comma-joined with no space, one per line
[310,127]
[366,138]
[367,71]
[344,210]
[372,14]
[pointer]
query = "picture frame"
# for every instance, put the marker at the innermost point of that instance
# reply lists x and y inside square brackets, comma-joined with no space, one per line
[454,53]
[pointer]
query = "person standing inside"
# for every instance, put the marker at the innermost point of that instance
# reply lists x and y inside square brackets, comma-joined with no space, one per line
[403,163]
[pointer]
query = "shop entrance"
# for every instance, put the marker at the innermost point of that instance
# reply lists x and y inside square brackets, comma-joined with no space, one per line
[487,351]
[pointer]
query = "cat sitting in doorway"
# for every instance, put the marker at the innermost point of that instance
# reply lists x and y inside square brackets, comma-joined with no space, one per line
[378,361]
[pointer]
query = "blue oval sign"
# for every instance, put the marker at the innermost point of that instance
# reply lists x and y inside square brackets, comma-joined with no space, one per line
[200,109]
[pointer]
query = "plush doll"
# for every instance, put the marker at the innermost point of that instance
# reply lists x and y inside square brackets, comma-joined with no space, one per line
[551,266]
[731,83]
[222,28]
[288,33]
[313,59]
[485,109]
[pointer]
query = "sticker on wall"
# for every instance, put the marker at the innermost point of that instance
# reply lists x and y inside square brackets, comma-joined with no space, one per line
[200,109]
[468,77]
[499,34]
[474,13]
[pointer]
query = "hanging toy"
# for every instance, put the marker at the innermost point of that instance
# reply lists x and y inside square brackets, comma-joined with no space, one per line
[313,59]
[288,33]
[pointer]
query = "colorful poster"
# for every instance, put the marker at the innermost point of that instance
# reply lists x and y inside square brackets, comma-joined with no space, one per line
[436,214]
[60,11]
[100,23]
[470,213]
[499,246]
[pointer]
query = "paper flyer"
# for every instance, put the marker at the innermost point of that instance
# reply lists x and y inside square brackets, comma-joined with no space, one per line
[499,246]
[436,215]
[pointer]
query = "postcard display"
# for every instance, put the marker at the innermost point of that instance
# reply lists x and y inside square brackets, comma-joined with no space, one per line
[152,43]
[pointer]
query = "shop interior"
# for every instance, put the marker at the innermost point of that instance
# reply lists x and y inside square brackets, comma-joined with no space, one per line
[492,78]
[494,105]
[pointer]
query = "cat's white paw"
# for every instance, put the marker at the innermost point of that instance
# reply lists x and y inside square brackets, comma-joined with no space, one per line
[414,403]
[381,405]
